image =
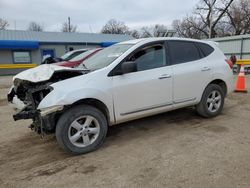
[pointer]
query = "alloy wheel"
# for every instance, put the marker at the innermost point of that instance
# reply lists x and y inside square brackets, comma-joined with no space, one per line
[214,101]
[84,131]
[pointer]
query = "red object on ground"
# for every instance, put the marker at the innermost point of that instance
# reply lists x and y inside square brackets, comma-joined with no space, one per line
[78,62]
[240,84]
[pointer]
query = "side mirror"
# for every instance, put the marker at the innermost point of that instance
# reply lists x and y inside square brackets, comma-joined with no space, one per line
[128,66]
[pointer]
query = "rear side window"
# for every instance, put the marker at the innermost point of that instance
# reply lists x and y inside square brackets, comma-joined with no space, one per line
[183,51]
[205,48]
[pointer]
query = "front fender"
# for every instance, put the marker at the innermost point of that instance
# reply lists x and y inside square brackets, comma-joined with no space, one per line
[60,98]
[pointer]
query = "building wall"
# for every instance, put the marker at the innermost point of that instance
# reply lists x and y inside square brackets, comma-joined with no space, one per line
[6,56]
[246,48]
[36,56]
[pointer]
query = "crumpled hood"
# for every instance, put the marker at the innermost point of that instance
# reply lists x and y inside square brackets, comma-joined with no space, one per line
[42,73]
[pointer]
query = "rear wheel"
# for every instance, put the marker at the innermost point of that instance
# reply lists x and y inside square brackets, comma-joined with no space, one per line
[81,129]
[212,101]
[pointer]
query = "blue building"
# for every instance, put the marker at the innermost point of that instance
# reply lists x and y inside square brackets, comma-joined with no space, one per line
[20,50]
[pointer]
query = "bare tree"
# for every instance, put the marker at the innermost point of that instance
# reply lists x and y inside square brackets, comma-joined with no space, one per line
[239,17]
[190,27]
[3,24]
[158,30]
[68,27]
[33,26]
[206,18]
[210,12]
[146,32]
[223,29]
[115,27]
[134,33]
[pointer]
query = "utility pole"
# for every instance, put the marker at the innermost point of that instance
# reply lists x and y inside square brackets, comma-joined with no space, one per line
[69,24]
[211,20]
[210,27]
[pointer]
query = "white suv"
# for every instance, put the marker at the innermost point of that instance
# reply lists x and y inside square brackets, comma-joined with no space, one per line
[126,81]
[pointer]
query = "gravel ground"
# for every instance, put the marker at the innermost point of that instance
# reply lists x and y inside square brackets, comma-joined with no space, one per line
[174,149]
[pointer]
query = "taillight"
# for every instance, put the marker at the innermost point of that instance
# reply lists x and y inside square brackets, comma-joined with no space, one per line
[230,63]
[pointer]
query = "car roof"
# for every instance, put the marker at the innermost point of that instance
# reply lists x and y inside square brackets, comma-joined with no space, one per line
[153,39]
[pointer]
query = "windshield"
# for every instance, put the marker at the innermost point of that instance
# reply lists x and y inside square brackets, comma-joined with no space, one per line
[82,55]
[71,54]
[106,56]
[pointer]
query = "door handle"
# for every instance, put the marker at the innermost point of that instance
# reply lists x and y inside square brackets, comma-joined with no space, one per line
[206,69]
[164,76]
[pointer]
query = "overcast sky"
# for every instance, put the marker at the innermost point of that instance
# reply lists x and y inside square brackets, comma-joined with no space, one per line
[91,15]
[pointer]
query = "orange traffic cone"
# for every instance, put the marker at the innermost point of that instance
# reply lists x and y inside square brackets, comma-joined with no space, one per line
[240,84]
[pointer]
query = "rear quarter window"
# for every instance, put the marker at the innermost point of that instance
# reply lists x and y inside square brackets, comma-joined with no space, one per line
[205,48]
[183,51]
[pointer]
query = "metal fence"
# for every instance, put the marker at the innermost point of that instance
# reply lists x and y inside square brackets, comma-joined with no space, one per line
[237,45]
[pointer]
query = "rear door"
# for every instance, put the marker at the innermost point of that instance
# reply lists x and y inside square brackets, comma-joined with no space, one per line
[190,70]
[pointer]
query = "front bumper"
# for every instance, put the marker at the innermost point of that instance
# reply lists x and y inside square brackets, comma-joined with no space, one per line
[17,104]
[26,114]
[43,121]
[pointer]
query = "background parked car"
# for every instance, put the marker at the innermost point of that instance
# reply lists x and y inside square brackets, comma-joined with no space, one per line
[71,54]
[77,60]
[66,57]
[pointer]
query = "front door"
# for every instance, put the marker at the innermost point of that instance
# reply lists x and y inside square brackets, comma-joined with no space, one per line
[146,91]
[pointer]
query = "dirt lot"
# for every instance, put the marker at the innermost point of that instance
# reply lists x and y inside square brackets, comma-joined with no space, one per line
[176,149]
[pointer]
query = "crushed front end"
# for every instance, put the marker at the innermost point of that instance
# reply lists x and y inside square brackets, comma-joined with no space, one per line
[31,87]
[25,97]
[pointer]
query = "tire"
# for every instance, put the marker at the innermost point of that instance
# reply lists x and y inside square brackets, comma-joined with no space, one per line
[81,129]
[210,98]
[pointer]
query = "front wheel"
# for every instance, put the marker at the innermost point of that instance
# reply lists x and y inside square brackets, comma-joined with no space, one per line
[212,101]
[81,129]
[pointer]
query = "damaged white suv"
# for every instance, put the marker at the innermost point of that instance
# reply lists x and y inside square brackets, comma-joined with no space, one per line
[123,82]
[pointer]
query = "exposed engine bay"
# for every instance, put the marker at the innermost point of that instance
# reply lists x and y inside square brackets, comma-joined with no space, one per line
[28,94]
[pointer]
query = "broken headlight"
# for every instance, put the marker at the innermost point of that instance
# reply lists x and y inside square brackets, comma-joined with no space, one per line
[39,95]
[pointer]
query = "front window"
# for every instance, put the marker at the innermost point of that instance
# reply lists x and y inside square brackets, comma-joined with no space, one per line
[106,56]
[149,57]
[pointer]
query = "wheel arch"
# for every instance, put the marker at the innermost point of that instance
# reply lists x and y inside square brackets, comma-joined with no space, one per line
[221,83]
[95,103]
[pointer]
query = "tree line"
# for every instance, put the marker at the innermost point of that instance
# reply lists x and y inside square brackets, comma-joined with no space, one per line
[215,18]
[209,19]
[34,26]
